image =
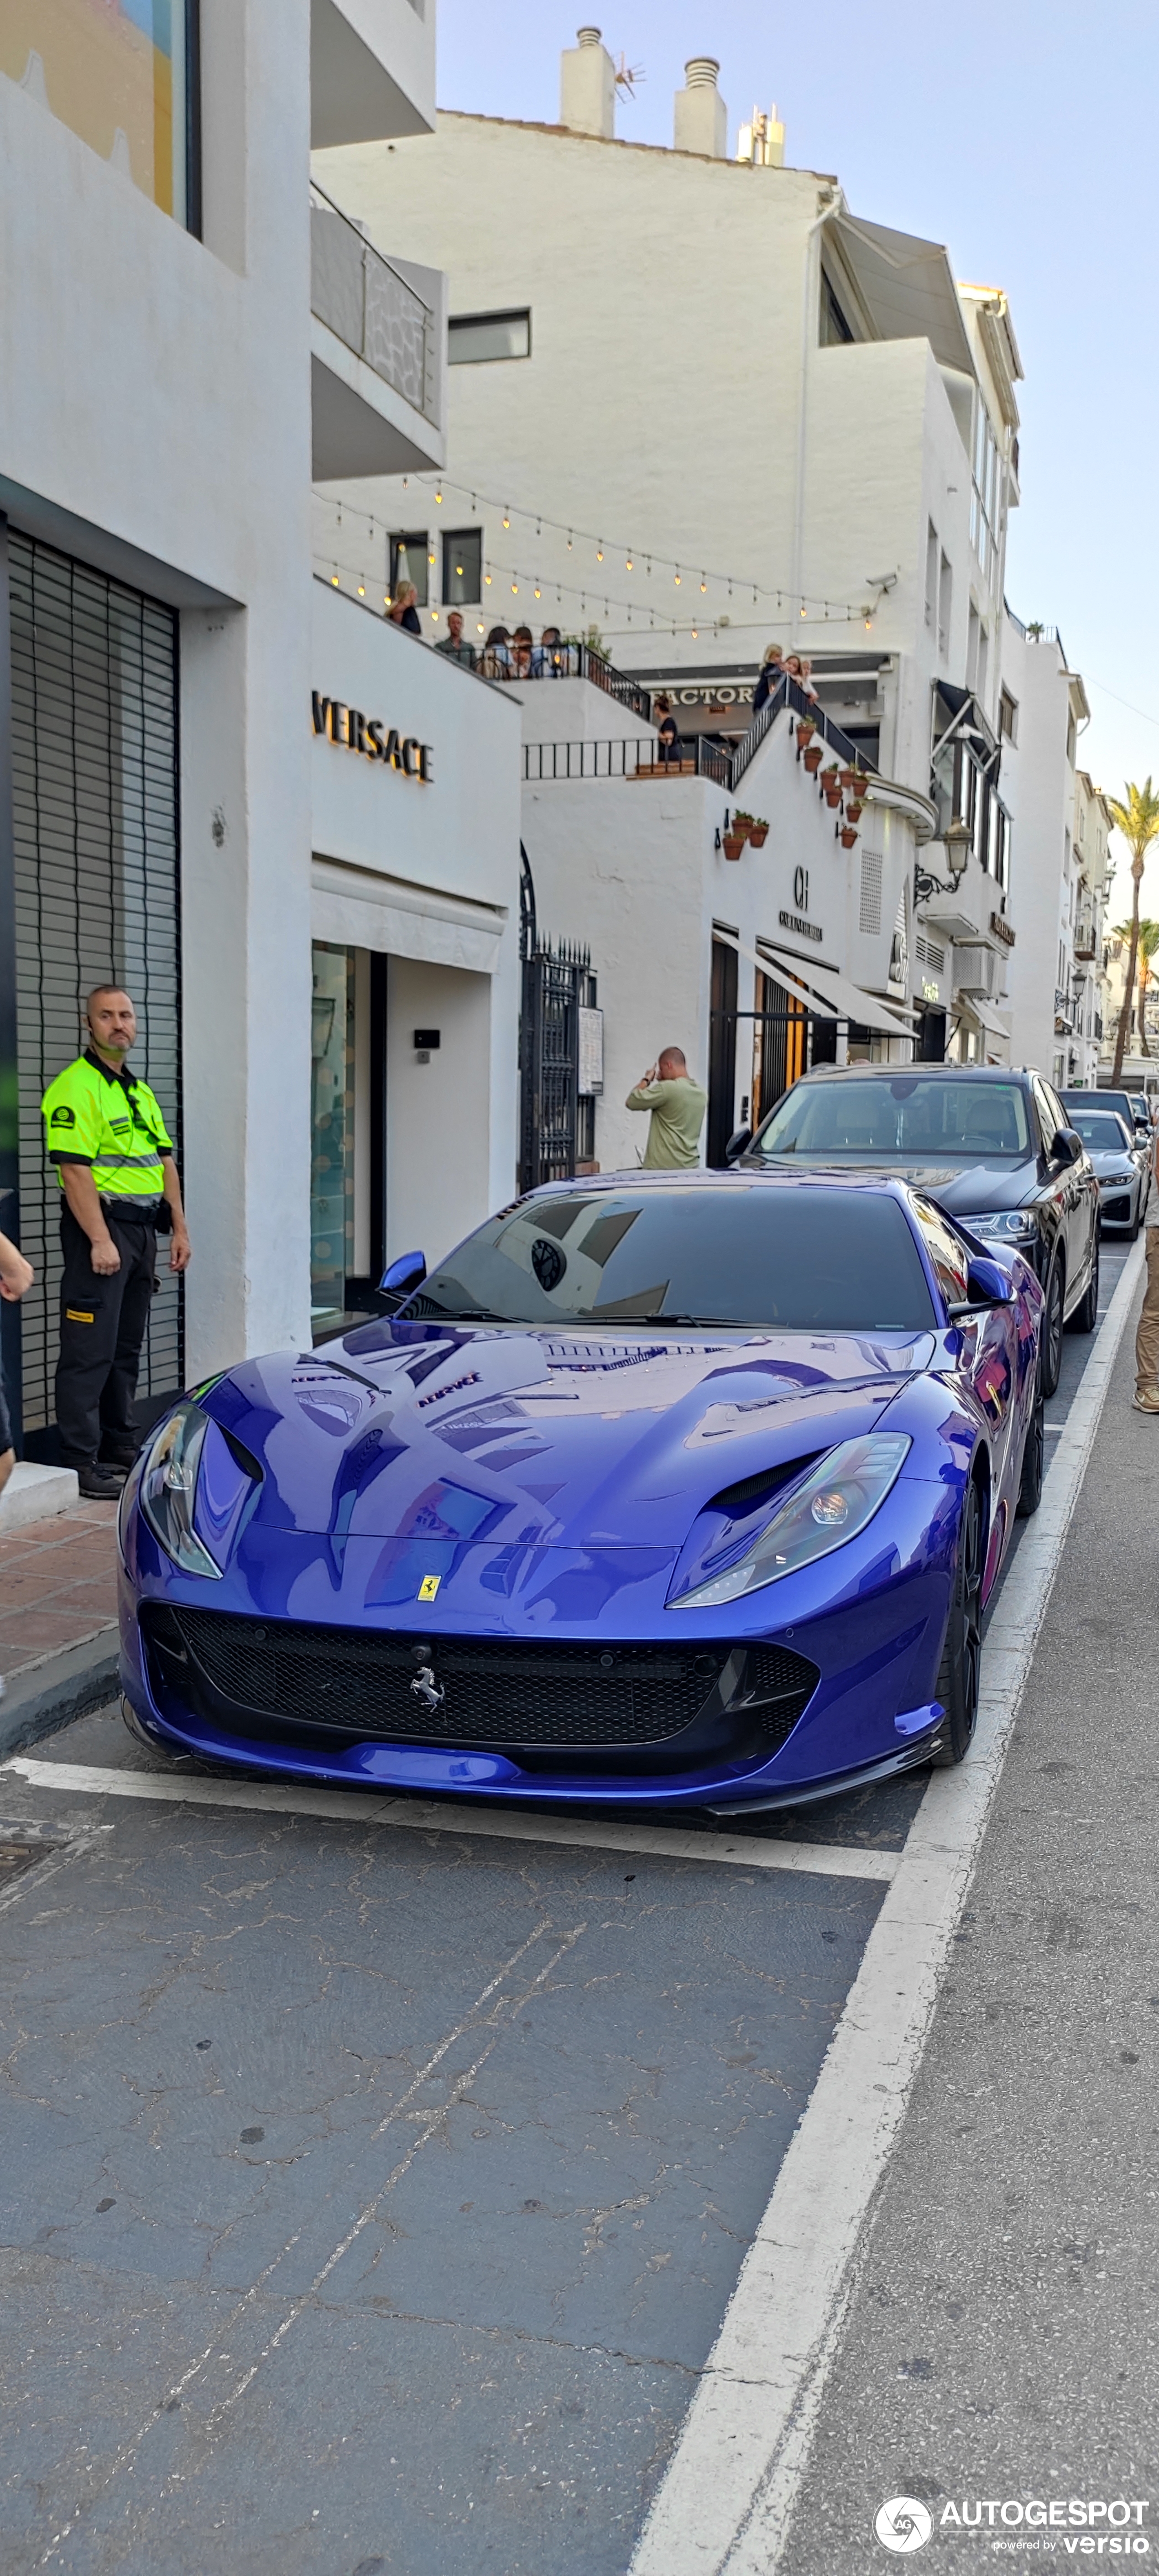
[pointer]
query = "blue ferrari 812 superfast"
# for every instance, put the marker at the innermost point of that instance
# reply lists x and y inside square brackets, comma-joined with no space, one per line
[675,1489]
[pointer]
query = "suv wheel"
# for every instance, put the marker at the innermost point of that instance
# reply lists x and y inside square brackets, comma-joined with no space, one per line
[1050,1345]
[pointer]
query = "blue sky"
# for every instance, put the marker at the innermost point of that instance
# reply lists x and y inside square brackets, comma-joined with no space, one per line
[1022,135]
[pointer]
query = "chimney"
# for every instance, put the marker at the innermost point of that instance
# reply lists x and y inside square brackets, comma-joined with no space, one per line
[701,121]
[587,86]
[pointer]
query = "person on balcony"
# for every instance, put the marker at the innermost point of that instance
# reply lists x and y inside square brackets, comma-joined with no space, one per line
[522,652]
[770,676]
[403,610]
[669,744]
[677,1106]
[550,658]
[454,645]
[497,659]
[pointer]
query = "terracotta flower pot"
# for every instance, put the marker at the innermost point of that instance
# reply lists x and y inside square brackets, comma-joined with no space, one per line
[805,728]
[733,844]
[813,758]
[833,798]
[860,781]
[758,835]
[848,836]
[854,808]
[848,780]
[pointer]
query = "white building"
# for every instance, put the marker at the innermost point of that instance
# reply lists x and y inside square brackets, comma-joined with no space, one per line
[1060,880]
[704,405]
[188,333]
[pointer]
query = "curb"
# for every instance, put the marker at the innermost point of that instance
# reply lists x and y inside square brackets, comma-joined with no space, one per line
[75,1683]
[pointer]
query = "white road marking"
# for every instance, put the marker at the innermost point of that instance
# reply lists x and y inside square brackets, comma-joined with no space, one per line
[663,1842]
[725,2505]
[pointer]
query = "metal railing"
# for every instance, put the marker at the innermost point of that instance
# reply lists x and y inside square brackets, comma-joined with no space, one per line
[643,756]
[564,661]
[370,307]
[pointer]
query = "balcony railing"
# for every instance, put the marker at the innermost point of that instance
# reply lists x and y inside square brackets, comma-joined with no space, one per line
[564,661]
[698,758]
[371,308]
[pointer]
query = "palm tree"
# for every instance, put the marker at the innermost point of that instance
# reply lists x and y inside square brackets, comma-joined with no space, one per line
[1148,943]
[1138,821]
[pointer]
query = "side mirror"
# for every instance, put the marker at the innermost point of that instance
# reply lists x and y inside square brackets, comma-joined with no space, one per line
[739,1139]
[401,1277]
[1068,1147]
[988,1284]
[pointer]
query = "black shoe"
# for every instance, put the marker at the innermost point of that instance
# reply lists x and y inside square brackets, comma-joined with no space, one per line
[120,1457]
[100,1484]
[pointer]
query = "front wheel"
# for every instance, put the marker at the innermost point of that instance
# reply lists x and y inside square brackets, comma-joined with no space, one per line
[1086,1313]
[959,1676]
[1050,1343]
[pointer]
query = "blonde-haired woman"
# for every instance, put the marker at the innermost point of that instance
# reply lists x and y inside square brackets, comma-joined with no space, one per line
[772,672]
[403,610]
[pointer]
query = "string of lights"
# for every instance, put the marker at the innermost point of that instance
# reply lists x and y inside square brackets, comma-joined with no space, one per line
[737,587]
[506,586]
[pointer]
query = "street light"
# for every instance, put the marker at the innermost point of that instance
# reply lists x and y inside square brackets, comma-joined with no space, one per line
[957,840]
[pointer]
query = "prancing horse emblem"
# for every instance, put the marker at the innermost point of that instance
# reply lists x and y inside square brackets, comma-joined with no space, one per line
[426,1688]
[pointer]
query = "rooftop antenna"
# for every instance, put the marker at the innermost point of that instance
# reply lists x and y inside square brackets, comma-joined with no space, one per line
[627,76]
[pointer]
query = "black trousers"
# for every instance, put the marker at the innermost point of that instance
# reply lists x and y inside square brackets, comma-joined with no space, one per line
[102,1327]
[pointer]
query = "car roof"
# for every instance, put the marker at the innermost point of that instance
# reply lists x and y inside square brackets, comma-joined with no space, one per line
[746,1176]
[916,1072]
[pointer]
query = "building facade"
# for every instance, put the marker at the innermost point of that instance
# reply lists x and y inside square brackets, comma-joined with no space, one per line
[723,410]
[190,333]
[1060,828]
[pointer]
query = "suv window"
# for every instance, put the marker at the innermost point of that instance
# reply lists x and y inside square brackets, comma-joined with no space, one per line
[902,1116]
[1051,1114]
[947,1252]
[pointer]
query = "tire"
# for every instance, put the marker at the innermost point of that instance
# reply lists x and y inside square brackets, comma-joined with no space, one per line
[1030,1488]
[1050,1344]
[1086,1313]
[959,1671]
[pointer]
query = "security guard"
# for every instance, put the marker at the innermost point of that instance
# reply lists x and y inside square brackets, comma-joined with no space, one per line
[119,1185]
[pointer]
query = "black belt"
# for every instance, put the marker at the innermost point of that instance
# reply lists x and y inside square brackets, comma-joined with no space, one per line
[139,1211]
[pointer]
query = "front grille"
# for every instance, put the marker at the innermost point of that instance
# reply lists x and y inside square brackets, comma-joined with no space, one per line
[1118,1211]
[497,1691]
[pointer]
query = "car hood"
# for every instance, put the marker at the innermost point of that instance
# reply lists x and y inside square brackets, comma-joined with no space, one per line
[966,1188]
[536,1437]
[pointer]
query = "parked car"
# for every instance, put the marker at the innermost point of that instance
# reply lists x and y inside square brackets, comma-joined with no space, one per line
[1131,1107]
[668,1490]
[1120,1169]
[993,1146]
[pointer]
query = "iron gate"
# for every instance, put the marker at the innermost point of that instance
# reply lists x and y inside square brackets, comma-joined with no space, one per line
[556,1123]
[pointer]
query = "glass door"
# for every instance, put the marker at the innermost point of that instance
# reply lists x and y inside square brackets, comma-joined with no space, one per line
[331,1131]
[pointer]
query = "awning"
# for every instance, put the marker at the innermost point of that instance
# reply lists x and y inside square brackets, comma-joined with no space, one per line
[838,997]
[984,1013]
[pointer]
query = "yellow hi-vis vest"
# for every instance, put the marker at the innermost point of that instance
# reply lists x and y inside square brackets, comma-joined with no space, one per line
[91,1116]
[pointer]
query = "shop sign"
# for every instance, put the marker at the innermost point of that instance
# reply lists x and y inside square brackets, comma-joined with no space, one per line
[353,731]
[796,921]
[1001,929]
[591,1053]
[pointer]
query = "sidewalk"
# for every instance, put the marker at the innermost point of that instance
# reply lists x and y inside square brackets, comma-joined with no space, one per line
[58,1614]
[1000,2338]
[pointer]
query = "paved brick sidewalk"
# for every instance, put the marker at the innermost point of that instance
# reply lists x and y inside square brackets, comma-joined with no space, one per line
[58,1585]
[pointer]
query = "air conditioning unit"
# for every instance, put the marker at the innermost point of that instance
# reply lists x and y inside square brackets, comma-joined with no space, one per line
[979,970]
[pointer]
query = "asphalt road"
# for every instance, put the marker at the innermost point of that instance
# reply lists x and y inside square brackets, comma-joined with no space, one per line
[372,2195]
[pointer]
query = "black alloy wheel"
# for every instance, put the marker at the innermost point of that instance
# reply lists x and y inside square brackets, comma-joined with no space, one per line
[959,1676]
[1033,1450]
[1050,1341]
[1086,1313]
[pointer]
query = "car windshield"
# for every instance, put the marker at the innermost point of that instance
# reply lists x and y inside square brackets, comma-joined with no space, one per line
[828,1260]
[1098,1128]
[899,1118]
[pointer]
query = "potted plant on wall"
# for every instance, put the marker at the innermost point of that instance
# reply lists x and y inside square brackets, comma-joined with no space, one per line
[812,758]
[831,782]
[805,731]
[732,843]
[742,823]
[758,832]
[848,836]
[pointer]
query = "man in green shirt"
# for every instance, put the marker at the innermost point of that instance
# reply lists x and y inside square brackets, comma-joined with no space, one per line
[114,1161]
[677,1106]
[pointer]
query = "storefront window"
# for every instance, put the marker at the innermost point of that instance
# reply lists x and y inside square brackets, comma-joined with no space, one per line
[117,72]
[331,1131]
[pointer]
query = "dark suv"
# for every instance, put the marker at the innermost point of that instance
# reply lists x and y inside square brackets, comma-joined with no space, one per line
[993,1146]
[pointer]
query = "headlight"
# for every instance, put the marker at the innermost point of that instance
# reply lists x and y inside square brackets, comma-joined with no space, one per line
[168,1489]
[831,1505]
[1005,1225]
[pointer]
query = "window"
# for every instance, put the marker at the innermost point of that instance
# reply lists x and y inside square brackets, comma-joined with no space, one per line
[835,330]
[983,661]
[1000,844]
[945,603]
[122,75]
[986,498]
[1071,739]
[410,560]
[931,575]
[472,338]
[904,1117]
[806,1260]
[947,1252]
[1008,716]
[462,566]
